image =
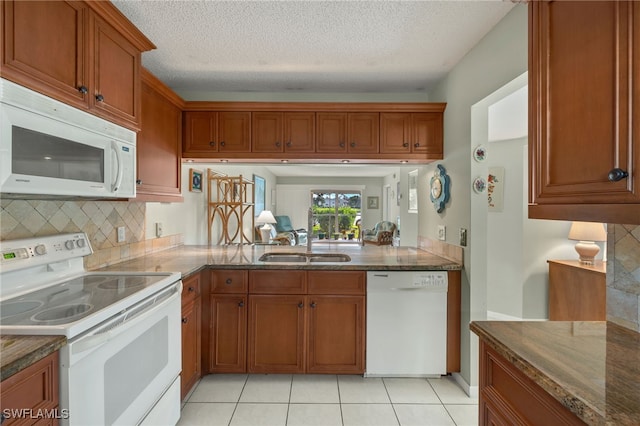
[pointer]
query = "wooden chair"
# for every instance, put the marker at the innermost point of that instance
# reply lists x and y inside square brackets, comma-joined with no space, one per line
[380,235]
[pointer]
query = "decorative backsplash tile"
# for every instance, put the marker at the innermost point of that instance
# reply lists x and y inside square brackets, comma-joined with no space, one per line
[98,219]
[623,275]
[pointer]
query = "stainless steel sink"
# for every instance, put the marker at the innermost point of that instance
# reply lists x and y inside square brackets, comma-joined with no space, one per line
[328,257]
[304,257]
[283,257]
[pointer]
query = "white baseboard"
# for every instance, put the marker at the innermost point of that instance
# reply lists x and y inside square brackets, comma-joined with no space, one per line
[472,391]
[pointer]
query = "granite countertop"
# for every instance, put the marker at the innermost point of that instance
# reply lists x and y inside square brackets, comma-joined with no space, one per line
[19,352]
[592,368]
[189,259]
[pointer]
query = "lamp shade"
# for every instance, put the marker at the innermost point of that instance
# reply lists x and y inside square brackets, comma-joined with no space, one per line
[587,231]
[266,217]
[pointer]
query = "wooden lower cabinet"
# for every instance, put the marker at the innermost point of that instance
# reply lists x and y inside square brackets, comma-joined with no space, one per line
[335,338]
[276,334]
[508,397]
[191,334]
[227,333]
[322,331]
[35,388]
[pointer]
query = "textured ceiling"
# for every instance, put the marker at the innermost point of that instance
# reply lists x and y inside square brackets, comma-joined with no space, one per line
[309,46]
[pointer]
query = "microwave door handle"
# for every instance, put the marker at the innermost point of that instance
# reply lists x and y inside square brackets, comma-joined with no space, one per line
[116,185]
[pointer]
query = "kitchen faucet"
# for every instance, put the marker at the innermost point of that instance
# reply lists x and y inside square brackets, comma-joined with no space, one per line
[309,228]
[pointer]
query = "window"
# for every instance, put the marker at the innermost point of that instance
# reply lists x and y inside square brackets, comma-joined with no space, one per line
[335,214]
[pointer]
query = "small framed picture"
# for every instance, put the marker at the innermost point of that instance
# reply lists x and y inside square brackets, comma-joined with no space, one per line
[195,180]
[372,202]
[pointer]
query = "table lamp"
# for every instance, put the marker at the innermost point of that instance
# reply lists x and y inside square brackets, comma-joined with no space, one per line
[265,217]
[586,233]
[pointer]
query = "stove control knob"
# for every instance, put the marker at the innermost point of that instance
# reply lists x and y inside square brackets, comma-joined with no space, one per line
[69,244]
[40,249]
[81,243]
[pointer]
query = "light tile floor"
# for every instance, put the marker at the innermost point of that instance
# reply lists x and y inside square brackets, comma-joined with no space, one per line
[327,400]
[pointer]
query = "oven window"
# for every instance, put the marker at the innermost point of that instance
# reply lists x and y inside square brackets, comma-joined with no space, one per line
[39,154]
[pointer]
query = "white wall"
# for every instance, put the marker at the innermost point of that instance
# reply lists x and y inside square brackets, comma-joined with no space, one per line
[497,59]
[190,218]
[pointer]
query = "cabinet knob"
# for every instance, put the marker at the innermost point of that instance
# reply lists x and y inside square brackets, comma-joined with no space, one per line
[222,143]
[138,181]
[417,144]
[191,289]
[212,143]
[228,281]
[405,145]
[341,144]
[289,143]
[83,89]
[241,304]
[278,144]
[99,98]
[313,304]
[617,174]
[300,305]
[185,320]
[353,144]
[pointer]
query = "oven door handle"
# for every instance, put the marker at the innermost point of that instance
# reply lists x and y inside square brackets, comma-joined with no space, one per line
[95,340]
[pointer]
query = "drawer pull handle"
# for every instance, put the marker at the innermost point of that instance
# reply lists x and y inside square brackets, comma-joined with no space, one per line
[228,281]
[617,174]
[185,320]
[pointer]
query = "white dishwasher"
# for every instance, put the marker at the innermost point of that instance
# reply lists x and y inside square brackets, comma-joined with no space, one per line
[406,323]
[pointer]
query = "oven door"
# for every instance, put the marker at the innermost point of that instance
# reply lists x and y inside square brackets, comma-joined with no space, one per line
[126,369]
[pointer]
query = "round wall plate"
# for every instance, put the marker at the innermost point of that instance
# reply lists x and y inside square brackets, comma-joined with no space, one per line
[480,153]
[479,185]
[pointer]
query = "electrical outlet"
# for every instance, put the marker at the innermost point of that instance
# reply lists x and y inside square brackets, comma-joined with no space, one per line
[463,237]
[158,229]
[442,232]
[121,234]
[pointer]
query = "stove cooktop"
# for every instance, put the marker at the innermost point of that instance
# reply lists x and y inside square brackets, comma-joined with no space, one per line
[77,304]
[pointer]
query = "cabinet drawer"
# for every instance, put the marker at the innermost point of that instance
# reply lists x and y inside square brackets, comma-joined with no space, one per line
[337,282]
[229,281]
[278,282]
[190,288]
[35,388]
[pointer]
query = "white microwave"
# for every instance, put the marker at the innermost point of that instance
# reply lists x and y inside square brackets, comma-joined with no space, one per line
[52,150]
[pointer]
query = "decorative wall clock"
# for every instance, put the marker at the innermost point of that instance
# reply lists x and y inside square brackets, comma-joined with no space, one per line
[439,188]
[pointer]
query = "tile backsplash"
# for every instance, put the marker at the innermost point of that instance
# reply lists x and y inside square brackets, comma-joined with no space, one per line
[623,275]
[98,219]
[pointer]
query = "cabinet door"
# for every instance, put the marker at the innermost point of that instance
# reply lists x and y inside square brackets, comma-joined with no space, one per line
[266,131]
[199,132]
[45,48]
[234,132]
[336,334]
[228,334]
[299,131]
[158,146]
[276,334]
[582,101]
[331,132]
[427,134]
[364,132]
[395,133]
[191,368]
[116,74]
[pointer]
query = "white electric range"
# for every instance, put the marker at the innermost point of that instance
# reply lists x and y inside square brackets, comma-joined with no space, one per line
[122,362]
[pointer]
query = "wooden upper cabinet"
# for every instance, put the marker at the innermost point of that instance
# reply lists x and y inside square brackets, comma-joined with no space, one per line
[116,73]
[340,132]
[85,54]
[410,133]
[45,48]
[283,132]
[159,143]
[583,136]
[217,132]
